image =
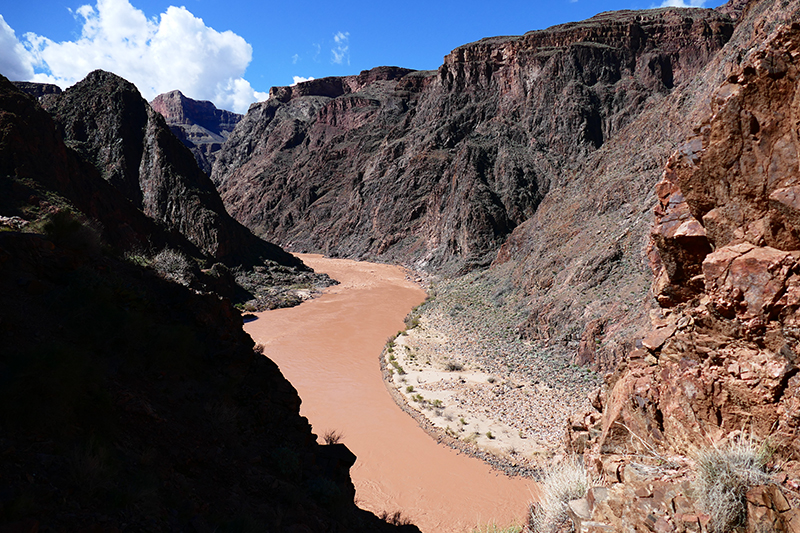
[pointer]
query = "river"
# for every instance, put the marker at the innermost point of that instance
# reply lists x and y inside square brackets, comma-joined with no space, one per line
[328,348]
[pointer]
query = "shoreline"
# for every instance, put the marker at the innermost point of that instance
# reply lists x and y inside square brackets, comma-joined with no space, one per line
[499,463]
[471,384]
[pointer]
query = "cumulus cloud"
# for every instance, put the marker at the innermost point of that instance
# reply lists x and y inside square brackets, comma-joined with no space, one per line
[300,79]
[682,3]
[15,62]
[173,51]
[340,54]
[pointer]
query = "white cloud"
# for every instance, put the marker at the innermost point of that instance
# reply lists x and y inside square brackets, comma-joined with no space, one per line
[300,79]
[15,62]
[173,51]
[341,52]
[682,3]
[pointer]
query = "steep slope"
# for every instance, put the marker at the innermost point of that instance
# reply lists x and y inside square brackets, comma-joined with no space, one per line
[719,363]
[198,124]
[107,121]
[723,352]
[39,175]
[128,401]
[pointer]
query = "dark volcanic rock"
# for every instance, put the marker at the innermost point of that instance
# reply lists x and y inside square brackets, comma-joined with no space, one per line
[106,120]
[199,124]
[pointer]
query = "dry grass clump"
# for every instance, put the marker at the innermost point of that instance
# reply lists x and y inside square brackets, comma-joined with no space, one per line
[494,528]
[565,482]
[173,266]
[724,474]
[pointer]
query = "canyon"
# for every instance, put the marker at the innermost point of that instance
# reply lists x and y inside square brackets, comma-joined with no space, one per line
[605,205]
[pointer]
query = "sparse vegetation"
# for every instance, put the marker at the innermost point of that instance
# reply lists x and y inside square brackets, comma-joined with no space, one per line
[450,366]
[563,483]
[396,518]
[724,474]
[172,265]
[494,528]
[332,436]
[410,388]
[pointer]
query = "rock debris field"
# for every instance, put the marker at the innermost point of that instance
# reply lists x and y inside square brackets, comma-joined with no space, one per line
[464,373]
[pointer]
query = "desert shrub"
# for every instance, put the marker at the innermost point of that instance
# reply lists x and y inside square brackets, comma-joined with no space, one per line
[724,474]
[494,528]
[332,436]
[453,367]
[396,518]
[173,266]
[563,483]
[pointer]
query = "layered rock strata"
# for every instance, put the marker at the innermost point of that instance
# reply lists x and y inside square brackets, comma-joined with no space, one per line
[198,124]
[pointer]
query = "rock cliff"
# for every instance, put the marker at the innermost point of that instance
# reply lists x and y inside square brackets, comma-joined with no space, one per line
[128,401]
[198,124]
[720,358]
[105,119]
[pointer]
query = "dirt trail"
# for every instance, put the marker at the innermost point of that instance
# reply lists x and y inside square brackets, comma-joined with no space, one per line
[329,348]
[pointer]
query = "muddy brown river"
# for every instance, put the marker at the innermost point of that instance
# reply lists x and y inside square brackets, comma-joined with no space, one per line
[329,349]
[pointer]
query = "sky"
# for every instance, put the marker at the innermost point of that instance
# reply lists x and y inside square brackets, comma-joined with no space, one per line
[231,52]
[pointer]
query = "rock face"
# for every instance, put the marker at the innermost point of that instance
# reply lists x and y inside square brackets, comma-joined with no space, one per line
[107,121]
[198,124]
[439,167]
[721,355]
[37,90]
[732,359]
[36,165]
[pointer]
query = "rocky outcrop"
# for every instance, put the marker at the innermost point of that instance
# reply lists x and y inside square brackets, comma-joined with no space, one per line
[37,90]
[41,175]
[105,119]
[198,124]
[721,354]
[731,360]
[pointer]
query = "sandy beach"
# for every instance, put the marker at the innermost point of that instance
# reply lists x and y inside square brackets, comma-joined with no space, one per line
[484,393]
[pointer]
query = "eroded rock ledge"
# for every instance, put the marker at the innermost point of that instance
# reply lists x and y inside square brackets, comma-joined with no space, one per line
[721,357]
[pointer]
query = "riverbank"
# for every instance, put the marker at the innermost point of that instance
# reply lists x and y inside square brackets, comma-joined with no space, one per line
[462,372]
[327,347]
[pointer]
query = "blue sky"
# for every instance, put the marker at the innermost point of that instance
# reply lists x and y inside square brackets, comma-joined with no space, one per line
[231,52]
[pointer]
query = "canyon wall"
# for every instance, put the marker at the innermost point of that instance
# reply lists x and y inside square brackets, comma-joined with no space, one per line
[105,119]
[495,157]
[198,124]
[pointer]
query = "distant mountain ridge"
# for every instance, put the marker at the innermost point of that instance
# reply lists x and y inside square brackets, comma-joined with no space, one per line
[199,124]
